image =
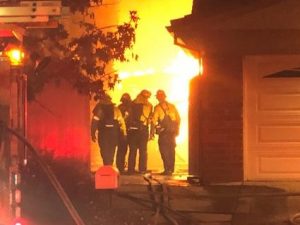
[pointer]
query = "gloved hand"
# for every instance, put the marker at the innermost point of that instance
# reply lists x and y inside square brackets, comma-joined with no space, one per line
[151,136]
[94,138]
[177,132]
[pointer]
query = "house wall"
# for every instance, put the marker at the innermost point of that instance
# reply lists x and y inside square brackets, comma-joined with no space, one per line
[218,139]
[59,123]
[217,142]
[219,148]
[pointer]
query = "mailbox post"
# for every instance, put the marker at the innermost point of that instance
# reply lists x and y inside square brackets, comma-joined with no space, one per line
[106,181]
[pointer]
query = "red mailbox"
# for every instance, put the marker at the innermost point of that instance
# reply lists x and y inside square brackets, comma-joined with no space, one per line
[107,177]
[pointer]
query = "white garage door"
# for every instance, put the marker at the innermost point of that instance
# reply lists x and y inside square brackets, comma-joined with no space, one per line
[272,117]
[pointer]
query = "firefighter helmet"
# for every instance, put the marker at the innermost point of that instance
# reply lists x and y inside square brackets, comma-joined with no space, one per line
[146,93]
[160,93]
[125,97]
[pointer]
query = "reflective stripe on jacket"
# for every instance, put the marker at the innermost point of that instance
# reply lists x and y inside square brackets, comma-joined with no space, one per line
[98,116]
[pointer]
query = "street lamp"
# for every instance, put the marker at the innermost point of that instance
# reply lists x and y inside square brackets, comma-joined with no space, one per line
[16,56]
[18,86]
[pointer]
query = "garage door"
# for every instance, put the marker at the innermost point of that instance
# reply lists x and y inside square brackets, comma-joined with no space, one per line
[272,117]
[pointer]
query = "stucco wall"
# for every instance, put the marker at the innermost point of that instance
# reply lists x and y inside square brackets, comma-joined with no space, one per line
[59,123]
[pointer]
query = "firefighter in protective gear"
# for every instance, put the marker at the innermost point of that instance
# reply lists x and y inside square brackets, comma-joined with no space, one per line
[125,108]
[108,122]
[165,122]
[138,131]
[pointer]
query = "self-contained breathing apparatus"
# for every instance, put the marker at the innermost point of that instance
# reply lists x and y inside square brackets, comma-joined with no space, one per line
[134,119]
[107,119]
[166,125]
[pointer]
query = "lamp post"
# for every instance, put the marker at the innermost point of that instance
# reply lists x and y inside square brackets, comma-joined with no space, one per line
[15,18]
[18,94]
[18,108]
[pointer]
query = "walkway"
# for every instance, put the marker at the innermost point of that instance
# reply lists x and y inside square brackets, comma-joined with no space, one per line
[251,203]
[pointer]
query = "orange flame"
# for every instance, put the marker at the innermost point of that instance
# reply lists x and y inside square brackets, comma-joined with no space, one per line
[161,65]
[174,79]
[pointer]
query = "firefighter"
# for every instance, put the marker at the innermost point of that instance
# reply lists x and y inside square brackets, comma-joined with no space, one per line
[165,122]
[138,131]
[108,122]
[125,108]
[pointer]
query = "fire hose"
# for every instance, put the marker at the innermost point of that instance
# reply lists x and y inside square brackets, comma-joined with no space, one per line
[295,219]
[143,202]
[53,180]
[159,199]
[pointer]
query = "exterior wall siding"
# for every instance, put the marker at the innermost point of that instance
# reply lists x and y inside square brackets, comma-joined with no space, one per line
[219,114]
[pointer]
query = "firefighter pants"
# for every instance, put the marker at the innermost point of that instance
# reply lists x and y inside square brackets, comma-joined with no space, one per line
[138,140]
[121,153]
[108,140]
[167,144]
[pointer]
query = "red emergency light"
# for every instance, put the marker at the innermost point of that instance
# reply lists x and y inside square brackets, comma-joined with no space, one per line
[19,221]
[6,33]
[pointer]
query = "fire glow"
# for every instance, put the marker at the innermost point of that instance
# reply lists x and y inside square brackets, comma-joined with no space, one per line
[160,65]
[174,79]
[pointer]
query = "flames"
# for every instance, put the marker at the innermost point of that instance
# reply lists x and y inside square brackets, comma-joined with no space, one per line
[161,65]
[174,78]
[183,68]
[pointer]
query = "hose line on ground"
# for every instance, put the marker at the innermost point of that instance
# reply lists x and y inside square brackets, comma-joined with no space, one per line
[295,219]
